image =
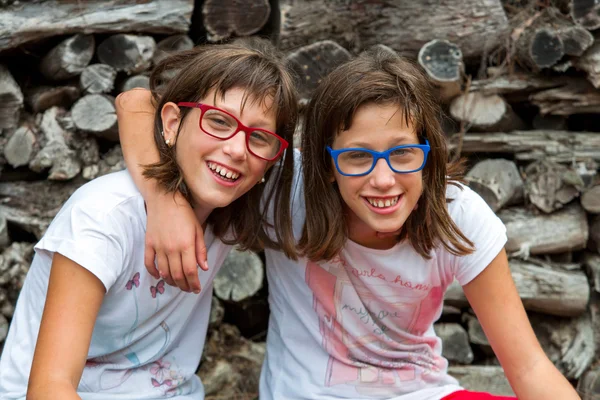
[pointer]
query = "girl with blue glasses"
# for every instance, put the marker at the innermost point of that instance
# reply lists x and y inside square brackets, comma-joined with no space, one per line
[383,226]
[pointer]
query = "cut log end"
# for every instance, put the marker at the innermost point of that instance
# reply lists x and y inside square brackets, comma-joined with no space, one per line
[442,60]
[240,277]
[129,53]
[546,48]
[96,114]
[98,78]
[485,112]
[586,13]
[69,58]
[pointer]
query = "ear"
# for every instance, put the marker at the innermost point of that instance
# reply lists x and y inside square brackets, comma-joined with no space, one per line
[170,121]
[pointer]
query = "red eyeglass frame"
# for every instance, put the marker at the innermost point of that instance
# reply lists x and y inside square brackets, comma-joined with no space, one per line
[241,127]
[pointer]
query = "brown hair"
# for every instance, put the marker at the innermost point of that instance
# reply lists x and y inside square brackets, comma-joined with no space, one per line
[381,77]
[255,66]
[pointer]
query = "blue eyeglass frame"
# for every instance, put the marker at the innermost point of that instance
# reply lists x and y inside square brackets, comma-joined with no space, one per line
[377,155]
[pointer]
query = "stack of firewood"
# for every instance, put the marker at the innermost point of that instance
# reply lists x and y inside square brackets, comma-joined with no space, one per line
[518,80]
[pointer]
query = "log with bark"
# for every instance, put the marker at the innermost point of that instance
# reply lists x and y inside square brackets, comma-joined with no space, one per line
[405,26]
[4,238]
[55,154]
[589,62]
[68,58]
[594,243]
[545,37]
[577,96]
[96,114]
[530,233]
[226,18]
[11,98]
[559,146]
[498,181]
[315,61]
[443,63]
[487,113]
[129,53]
[586,13]
[549,185]
[111,161]
[542,287]
[21,24]
[32,205]
[98,78]
[591,262]
[515,87]
[41,98]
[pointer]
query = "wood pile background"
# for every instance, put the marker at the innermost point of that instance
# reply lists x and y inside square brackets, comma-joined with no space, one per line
[519,82]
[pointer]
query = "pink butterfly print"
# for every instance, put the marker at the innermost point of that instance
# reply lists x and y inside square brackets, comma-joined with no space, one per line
[159,288]
[166,382]
[160,367]
[135,281]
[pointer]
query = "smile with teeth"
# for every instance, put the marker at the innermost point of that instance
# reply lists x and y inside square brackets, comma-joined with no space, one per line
[223,172]
[382,203]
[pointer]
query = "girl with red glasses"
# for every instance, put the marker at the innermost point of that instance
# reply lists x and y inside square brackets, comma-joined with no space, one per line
[383,226]
[90,322]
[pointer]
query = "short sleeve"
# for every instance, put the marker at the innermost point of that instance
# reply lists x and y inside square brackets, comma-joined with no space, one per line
[90,237]
[477,221]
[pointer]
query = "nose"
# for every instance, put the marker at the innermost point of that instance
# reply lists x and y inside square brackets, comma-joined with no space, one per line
[235,147]
[382,177]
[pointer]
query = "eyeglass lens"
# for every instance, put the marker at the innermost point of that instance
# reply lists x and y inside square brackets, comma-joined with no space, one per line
[222,125]
[402,160]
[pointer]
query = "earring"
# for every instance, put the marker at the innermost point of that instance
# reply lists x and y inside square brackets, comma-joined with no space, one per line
[262,180]
[162,133]
[168,142]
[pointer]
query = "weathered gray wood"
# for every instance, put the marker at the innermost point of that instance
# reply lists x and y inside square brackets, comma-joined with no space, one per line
[568,342]
[497,181]
[4,238]
[171,44]
[14,264]
[315,61]
[542,287]
[226,18]
[488,113]
[135,81]
[549,185]
[591,261]
[590,200]
[594,243]
[515,86]
[130,53]
[11,99]
[405,26]
[588,386]
[559,146]
[549,122]
[21,146]
[33,205]
[240,277]
[455,342]
[98,78]
[20,24]
[578,96]
[55,153]
[479,378]
[112,161]
[96,114]
[442,60]
[41,98]
[476,334]
[529,233]
[68,58]
[590,63]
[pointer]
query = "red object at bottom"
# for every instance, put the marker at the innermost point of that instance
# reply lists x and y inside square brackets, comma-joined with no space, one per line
[466,395]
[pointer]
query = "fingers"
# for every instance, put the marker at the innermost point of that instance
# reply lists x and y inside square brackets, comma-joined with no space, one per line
[163,268]
[149,255]
[201,253]
[190,270]
[177,271]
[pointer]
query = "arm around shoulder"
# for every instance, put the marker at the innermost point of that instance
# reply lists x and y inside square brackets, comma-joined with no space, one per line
[72,303]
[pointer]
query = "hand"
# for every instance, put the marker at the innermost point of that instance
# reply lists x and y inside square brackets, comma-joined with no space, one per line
[175,238]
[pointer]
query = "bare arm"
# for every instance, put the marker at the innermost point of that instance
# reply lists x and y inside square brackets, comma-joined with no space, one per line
[173,234]
[495,300]
[72,303]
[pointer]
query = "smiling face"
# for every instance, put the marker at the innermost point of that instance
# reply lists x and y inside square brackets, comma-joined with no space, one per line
[217,172]
[380,202]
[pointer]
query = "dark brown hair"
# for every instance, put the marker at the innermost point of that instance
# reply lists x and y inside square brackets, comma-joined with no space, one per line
[381,77]
[255,66]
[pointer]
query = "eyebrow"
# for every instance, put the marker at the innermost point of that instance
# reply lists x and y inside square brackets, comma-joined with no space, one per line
[260,123]
[398,142]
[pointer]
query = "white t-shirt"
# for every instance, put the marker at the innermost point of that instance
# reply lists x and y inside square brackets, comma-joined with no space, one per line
[361,325]
[148,337]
